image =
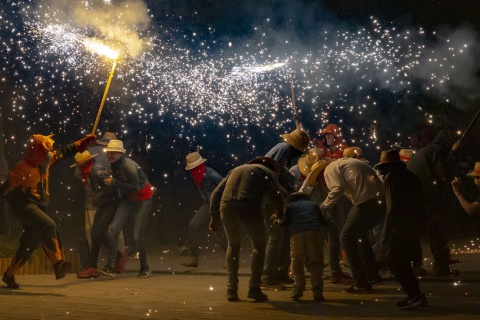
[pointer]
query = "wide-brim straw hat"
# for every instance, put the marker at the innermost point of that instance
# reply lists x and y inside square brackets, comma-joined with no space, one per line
[194,159]
[115,146]
[298,139]
[82,158]
[314,154]
[476,170]
[317,168]
[295,197]
[354,152]
[406,154]
[387,157]
[107,137]
[267,162]
[303,165]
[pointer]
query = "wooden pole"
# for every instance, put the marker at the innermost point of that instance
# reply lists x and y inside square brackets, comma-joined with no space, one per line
[99,113]
[457,144]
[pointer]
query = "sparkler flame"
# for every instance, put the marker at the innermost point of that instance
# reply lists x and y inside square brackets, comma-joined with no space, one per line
[96,46]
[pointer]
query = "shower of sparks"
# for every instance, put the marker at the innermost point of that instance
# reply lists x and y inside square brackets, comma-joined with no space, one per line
[197,81]
[97,47]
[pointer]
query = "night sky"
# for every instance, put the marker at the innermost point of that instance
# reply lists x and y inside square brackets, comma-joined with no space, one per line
[214,76]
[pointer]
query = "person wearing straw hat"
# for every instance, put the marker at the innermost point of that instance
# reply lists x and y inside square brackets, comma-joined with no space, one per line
[135,200]
[353,177]
[237,201]
[278,257]
[303,167]
[332,141]
[405,218]
[304,219]
[206,179]
[100,204]
[406,154]
[100,149]
[472,208]
[316,187]
[27,192]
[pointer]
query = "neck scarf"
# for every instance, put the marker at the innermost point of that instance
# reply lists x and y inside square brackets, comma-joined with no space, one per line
[85,170]
[198,173]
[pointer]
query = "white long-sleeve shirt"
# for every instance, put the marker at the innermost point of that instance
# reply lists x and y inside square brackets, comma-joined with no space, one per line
[353,178]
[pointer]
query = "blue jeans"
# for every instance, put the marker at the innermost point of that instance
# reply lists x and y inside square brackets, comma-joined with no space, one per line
[355,242]
[141,211]
[199,223]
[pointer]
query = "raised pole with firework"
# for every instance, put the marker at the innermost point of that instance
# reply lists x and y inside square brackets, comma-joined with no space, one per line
[458,143]
[295,112]
[102,49]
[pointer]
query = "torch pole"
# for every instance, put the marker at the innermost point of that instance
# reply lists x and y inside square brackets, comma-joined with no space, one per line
[295,112]
[105,93]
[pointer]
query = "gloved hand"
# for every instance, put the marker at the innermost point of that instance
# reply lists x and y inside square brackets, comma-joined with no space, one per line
[86,142]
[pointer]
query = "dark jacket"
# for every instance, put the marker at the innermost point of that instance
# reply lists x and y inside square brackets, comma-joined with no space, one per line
[247,183]
[102,193]
[303,215]
[209,183]
[284,154]
[128,177]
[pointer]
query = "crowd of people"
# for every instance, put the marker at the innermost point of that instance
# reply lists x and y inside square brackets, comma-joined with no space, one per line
[304,194]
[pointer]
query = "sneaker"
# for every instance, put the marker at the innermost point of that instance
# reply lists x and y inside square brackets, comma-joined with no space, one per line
[341,278]
[257,294]
[402,303]
[359,290]
[88,273]
[121,263]
[418,301]
[108,271]
[296,294]
[10,281]
[232,295]
[273,285]
[61,268]
[144,272]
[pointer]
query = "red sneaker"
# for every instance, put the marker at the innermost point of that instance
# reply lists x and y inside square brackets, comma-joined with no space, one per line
[121,263]
[88,273]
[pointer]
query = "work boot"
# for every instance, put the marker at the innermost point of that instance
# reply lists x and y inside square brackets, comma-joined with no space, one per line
[193,263]
[61,268]
[232,295]
[10,281]
[256,294]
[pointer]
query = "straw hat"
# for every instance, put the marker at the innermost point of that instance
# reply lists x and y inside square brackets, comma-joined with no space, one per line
[115,146]
[476,170]
[194,159]
[386,157]
[267,162]
[354,152]
[296,196]
[107,136]
[317,169]
[406,154]
[298,139]
[303,166]
[305,162]
[82,158]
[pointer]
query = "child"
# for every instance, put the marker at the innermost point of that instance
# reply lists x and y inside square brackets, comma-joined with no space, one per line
[304,218]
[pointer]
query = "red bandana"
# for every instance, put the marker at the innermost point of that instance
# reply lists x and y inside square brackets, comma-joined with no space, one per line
[198,173]
[85,170]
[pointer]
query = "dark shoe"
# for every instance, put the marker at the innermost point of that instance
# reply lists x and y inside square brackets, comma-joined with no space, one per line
[402,303]
[144,272]
[317,295]
[283,277]
[341,278]
[296,294]
[121,263]
[376,283]
[257,294]
[418,301]
[232,295]
[272,285]
[88,273]
[61,268]
[10,281]
[359,290]
[193,263]
[108,271]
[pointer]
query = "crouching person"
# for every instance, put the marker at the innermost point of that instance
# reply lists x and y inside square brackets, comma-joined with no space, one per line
[304,218]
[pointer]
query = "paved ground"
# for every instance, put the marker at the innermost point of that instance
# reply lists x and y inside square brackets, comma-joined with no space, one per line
[176,292]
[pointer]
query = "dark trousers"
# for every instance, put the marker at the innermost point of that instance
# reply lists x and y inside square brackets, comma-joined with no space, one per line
[402,251]
[100,236]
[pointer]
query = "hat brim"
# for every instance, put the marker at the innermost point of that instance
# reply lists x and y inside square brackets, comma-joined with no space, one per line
[101,142]
[116,150]
[190,167]
[312,181]
[267,162]
[287,137]
[83,162]
[304,166]
[295,197]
